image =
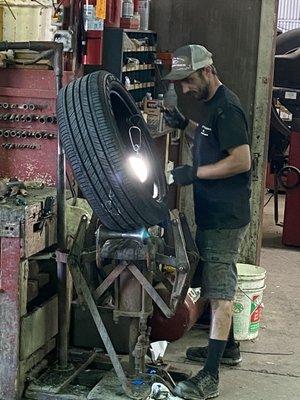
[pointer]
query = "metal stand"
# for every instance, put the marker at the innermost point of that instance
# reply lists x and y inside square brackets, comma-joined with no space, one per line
[137,260]
[133,296]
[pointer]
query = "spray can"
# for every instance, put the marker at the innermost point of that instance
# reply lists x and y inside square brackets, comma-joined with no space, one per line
[127,9]
[144,10]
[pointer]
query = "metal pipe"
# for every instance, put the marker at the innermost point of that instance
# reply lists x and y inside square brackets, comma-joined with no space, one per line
[134,332]
[65,284]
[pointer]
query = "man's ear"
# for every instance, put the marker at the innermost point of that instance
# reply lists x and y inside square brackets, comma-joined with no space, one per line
[208,70]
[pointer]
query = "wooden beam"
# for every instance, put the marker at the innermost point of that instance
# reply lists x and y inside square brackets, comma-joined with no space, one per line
[38,327]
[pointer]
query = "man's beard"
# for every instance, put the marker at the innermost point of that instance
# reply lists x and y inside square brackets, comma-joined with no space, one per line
[203,94]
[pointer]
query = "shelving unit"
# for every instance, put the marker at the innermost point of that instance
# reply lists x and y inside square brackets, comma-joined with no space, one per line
[116,55]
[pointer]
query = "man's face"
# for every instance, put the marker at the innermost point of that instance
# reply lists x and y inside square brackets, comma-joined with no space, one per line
[198,84]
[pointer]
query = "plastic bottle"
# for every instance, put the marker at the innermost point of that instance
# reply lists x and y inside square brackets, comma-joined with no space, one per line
[144,10]
[148,96]
[137,17]
[171,98]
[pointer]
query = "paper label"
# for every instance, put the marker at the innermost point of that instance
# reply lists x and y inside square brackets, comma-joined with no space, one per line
[290,95]
[91,22]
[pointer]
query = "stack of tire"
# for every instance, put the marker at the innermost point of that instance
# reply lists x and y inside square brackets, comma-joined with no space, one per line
[286,76]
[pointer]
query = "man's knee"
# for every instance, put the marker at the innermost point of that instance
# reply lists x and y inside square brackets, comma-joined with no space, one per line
[222,306]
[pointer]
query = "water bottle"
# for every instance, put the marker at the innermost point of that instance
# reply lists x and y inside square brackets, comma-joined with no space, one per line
[171,98]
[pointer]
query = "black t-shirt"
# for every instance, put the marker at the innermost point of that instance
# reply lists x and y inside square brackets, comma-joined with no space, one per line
[221,203]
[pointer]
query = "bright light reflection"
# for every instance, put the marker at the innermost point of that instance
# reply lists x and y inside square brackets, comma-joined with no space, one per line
[139,167]
[155,191]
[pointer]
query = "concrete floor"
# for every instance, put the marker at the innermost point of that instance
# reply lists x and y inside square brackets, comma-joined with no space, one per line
[271,364]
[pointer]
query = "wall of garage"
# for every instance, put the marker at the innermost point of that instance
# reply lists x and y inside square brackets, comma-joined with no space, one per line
[241,36]
[229,29]
[26,20]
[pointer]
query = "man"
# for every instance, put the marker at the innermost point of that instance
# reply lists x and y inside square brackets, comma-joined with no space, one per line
[221,180]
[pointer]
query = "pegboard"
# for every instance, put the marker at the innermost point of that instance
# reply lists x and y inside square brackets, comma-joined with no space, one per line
[28,126]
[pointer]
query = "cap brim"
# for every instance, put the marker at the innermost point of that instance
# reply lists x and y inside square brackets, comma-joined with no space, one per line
[177,75]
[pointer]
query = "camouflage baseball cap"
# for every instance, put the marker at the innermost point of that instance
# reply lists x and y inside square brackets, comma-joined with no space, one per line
[188,59]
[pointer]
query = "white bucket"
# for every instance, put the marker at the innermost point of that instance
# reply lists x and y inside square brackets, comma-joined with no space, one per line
[248,301]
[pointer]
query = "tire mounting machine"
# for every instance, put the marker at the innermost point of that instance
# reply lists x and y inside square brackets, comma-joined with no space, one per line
[137,257]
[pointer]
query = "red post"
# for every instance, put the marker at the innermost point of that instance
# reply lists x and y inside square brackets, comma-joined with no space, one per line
[10,254]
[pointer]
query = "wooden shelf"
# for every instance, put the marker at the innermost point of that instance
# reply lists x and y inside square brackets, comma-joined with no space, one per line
[142,67]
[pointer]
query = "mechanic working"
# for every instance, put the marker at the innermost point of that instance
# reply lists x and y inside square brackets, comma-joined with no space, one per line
[221,180]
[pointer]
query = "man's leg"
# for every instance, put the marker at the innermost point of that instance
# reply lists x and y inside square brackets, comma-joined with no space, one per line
[231,355]
[218,249]
[220,326]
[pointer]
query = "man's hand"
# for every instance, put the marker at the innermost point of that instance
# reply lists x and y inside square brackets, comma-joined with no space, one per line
[183,175]
[175,119]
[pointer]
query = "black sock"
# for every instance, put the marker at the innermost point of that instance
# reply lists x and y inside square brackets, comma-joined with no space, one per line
[230,341]
[215,351]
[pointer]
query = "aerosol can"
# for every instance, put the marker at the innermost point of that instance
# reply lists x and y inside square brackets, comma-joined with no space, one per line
[127,9]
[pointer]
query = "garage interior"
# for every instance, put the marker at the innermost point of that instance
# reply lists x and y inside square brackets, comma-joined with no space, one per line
[95,267]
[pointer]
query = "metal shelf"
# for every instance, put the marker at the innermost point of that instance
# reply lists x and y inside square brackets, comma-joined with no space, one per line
[136,86]
[142,67]
[141,49]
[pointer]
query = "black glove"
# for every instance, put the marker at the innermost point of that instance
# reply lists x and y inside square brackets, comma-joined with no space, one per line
[184,175]
[175,119]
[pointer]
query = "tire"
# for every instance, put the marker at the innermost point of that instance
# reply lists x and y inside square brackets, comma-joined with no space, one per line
[280,131]
[94,115]
[288,41]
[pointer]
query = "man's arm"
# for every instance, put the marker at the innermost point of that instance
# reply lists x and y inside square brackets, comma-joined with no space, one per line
[237,162]
[190,131]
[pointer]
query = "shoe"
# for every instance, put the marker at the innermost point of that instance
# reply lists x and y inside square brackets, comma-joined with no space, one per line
[203,386]
[231,355]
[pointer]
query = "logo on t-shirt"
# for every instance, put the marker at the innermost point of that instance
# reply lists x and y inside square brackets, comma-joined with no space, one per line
[205,131]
